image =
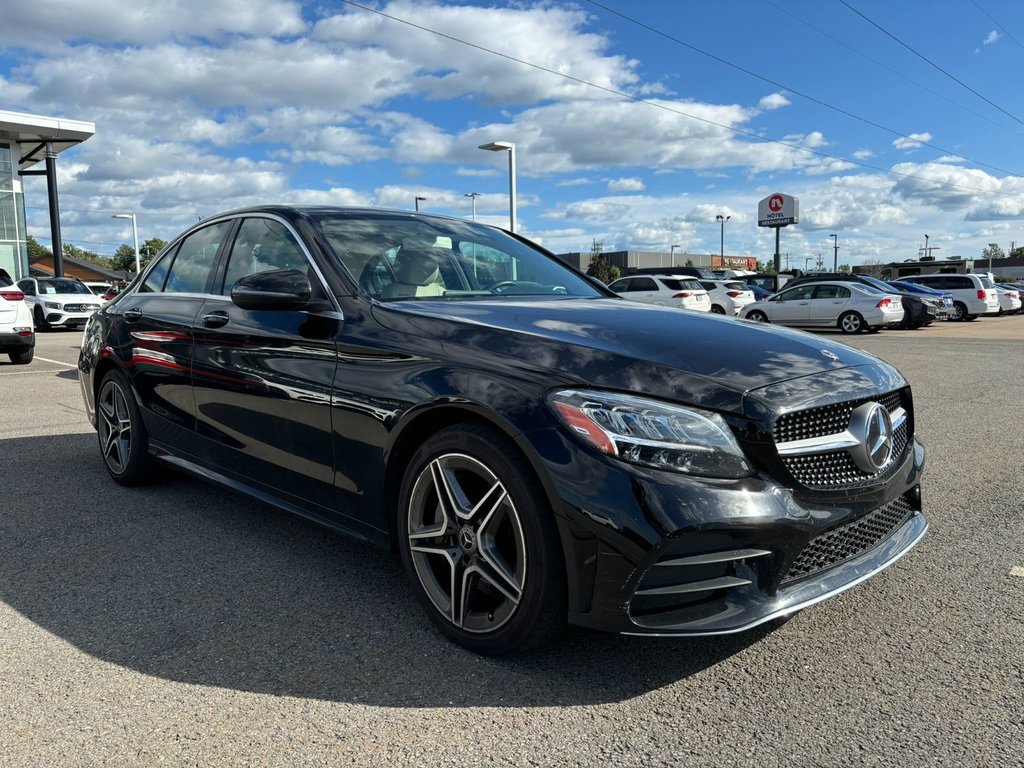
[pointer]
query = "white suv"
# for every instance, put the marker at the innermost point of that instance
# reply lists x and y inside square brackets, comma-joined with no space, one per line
[682,291]
[59,302]
[17,338]
[973,295]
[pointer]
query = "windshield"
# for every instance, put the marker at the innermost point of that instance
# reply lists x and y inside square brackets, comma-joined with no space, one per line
[63,286]
[395,257]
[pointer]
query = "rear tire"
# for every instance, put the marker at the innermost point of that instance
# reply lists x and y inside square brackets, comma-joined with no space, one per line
[124,442]
[479,543]
[717,309]
[851,322]
[24,357]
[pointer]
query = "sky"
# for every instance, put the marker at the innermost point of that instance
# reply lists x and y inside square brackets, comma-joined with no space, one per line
[635,123]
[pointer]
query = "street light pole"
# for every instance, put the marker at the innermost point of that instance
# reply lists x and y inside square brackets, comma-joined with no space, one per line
[721,246]
[835,252]
[135,237]
[416,202]
[510,147]
[473,196]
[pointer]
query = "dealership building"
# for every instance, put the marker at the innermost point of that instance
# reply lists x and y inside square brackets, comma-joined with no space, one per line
[25,142]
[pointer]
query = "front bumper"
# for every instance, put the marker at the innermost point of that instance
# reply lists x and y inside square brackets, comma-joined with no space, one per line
[658,554]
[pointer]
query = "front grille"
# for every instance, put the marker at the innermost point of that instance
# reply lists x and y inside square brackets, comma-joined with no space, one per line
[835,469]
[847,541]
[79,307]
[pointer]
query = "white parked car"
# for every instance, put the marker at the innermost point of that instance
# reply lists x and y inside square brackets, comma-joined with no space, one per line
[1009,300]
[681,291]
[59,302]
[973,295]
[98,288]
[851,307]
[17,338]
[728,297]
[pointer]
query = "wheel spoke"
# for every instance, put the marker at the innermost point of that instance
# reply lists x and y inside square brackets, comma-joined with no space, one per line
[484,509]
[456,580]
[448,492]
[498,577]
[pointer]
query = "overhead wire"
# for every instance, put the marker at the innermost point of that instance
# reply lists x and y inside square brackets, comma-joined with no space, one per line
[883,65]
[992,19]
[673,110]
[792,90]
[924,58]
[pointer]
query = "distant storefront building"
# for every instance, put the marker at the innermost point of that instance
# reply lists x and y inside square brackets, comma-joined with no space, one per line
[630,261]
[25,141]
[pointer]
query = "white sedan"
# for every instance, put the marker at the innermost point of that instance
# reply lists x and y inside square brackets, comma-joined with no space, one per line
[680,291]
[1009,300]
[848,306]
[728,297]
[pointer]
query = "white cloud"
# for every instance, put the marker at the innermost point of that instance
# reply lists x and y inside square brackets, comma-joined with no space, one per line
[991,38]
[626,185]
[863,154]
[773,101]
[913,141]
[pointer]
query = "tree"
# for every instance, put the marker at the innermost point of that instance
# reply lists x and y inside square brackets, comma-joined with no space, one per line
[992,252]
[689,262]
[614,273]
[873,267]
[35,250]
[600,268]
[124,258]
[151,248]
[845,268]
[1017,253]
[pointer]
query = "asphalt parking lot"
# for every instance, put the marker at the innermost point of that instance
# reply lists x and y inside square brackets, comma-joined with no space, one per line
[180,624]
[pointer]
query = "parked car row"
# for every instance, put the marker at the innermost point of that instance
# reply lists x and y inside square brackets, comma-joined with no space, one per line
[848,301]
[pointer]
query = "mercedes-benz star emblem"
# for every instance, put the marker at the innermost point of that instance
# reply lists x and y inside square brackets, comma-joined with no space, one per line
[830,355]
[871,425]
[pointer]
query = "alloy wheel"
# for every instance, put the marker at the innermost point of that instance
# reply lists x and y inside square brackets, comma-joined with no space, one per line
[467,543]
[115,427]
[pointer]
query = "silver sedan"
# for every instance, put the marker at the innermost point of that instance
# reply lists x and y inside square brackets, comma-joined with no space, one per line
[848,306]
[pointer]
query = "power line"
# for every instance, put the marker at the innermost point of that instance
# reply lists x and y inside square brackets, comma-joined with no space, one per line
[777,84]
[929,61]
[1005,30]
[883,65]
[666,108]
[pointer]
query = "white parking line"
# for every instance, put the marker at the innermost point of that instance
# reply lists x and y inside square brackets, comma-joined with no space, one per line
[58,362]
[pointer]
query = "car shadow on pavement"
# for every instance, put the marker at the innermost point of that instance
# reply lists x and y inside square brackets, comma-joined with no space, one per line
[188,582]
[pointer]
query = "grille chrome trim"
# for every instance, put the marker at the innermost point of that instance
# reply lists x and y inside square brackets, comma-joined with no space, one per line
[707,585]
[840,441]
[727,556]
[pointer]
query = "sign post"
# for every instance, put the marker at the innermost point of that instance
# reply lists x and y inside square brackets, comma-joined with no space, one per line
[778,211]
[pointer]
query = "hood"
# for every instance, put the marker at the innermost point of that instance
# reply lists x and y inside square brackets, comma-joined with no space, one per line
[689,357]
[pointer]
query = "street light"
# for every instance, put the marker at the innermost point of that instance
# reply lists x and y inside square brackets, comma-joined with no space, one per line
[510,147]
[474,196]
[721,246]
[135,237]
[416,202]
[835,252]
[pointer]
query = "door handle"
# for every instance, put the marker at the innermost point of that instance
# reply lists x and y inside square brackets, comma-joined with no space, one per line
[216,319]
[132,315]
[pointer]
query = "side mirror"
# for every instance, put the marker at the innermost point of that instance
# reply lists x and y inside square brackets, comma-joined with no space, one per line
[279,290]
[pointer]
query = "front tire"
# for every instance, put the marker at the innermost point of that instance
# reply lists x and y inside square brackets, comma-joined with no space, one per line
[851,322]
[124,442]
[959,311]
[40,320]
[758,316]
[479,542]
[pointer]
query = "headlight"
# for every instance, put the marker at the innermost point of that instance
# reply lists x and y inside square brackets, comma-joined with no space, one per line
[652,433]
[51,305]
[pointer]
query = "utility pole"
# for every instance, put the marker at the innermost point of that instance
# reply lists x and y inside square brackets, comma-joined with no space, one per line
[835,253]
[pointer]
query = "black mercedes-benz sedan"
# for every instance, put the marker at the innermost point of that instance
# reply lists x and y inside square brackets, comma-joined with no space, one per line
[537,450]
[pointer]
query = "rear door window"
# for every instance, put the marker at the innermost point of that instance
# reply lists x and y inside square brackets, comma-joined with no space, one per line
[193,266]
